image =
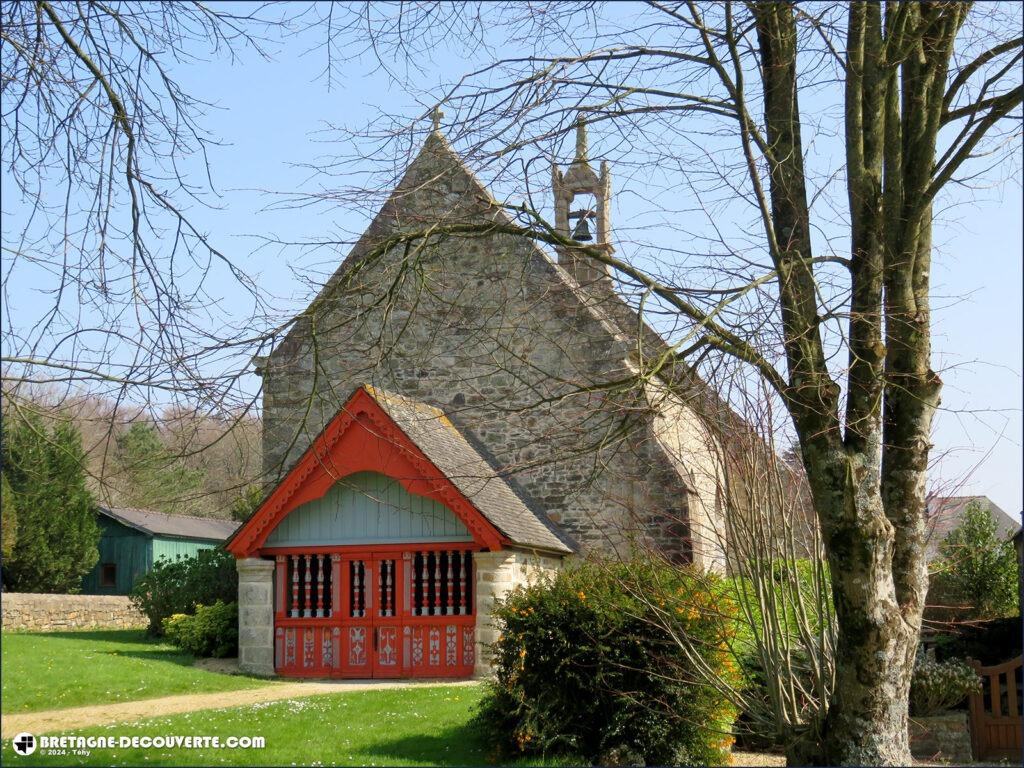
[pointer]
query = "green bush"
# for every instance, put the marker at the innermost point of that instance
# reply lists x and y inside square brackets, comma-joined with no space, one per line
[939,685]
[211,631]
[975,575]
[588,665]
[179,585]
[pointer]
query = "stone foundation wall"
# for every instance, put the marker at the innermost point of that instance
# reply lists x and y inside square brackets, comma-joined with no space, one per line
[944,737]
[497,574]
[52,613]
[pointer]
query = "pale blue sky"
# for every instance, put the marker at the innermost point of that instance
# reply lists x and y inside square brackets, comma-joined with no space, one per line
[269,117]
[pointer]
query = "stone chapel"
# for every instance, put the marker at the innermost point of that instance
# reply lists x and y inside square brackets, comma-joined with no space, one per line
[459,411]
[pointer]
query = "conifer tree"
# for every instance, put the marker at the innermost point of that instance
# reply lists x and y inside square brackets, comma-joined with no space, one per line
[8,518]
[57,535]
[977,568]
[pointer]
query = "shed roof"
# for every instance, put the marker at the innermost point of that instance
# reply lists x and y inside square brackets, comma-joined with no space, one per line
[179,526]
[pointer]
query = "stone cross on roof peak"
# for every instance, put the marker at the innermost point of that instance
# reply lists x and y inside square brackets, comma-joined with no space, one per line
[435,117]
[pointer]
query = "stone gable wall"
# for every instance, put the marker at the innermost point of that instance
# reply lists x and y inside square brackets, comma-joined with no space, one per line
[490,331]
[53,613]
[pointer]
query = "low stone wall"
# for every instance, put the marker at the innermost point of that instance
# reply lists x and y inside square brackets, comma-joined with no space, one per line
[944,737]
[52,613]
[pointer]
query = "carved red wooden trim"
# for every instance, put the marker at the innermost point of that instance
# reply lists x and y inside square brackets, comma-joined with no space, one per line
[361,438]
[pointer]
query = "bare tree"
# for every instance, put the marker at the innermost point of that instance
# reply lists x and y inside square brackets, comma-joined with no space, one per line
[106,268]
[780,581]
[822,290]
[106,150]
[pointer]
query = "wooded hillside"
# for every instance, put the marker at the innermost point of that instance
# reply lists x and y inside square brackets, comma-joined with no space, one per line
[174,460]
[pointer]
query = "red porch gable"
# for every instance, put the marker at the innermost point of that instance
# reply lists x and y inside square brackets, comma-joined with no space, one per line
[362,437]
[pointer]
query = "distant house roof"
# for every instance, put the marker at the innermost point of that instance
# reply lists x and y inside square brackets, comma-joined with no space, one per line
[945,513]
[178,526]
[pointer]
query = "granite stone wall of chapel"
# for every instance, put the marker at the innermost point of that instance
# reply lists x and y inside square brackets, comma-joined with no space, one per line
[488,329]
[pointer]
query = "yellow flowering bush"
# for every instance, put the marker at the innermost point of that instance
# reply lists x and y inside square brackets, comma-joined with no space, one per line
[211,631]
[593,665]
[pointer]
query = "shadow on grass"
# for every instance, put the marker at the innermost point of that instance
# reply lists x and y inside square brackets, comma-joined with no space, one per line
[457,745]
[160,650]
[129,636]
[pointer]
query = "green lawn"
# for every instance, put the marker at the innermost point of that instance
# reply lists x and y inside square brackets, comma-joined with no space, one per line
[414,726]
[52,670]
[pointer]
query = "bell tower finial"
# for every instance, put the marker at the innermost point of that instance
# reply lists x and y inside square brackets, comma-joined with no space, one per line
[579,180]
[581,140]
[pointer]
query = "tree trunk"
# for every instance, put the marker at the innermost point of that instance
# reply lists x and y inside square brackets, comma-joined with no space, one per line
[867,717]
[876,568]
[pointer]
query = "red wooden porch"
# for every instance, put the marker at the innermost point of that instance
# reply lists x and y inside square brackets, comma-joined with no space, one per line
[374,612]
[372,532]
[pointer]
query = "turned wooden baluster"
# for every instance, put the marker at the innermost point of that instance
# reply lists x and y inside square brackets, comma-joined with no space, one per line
[308,587]
[321,564]
[462,586]
[389,574]
[424,607]
[391,579]
[356,593]
[295,587]
[336,580]
[450,607]
[437,584]
[280,585]
[364,586]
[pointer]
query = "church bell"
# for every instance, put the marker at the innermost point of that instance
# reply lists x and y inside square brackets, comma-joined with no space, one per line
[581,234]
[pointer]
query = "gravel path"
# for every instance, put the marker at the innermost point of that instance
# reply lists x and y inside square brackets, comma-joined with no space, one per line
[105,714]
[757,758]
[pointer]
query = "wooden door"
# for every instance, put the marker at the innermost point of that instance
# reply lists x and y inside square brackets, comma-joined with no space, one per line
[996,712]
[356,617]
[372,620]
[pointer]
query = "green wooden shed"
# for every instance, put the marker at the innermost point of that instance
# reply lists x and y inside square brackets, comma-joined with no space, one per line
[131,540]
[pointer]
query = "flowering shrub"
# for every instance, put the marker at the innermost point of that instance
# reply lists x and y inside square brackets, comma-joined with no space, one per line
[212,631]
[939,685]
[600,663]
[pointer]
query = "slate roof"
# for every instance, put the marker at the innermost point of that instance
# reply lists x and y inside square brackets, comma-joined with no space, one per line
[178,526]
[946,513]
[464,464]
